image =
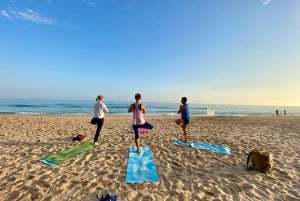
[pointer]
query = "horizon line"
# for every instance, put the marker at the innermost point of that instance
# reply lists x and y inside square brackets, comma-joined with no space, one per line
[149,101]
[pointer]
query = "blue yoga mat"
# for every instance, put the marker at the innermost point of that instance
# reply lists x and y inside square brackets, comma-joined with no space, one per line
[141,167]
[200,145]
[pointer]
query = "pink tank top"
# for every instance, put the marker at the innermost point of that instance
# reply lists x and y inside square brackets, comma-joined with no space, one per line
[138,116]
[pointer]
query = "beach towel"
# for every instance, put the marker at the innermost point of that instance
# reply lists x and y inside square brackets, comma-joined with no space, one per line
[141,167]
[141,131]
[55,159]
[201,145]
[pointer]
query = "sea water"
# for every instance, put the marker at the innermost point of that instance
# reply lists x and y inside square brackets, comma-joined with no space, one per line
[85,107]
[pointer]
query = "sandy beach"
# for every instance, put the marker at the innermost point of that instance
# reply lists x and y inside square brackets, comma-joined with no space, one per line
[184,173]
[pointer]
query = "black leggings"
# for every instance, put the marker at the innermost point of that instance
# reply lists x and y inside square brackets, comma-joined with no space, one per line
[136,128]
[99,126]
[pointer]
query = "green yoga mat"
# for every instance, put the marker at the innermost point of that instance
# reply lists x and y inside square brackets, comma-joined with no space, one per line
[55,159]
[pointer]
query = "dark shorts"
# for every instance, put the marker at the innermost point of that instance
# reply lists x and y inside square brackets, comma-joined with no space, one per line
[186,121]
[146,125]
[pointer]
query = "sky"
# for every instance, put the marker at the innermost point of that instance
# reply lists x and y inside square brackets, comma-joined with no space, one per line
[211,51]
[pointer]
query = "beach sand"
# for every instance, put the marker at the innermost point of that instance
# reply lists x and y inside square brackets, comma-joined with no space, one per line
[184,173]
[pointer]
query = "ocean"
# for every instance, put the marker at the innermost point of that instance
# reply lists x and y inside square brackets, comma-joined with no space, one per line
[85,107]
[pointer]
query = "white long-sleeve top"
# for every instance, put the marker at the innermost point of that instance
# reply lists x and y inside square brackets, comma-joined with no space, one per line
[99,109]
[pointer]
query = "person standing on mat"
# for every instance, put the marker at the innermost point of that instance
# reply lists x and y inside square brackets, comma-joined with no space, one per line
[99,110]
[185,117]
[138,110]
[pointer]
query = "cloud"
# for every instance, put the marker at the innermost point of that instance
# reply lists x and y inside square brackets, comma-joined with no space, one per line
[49,1]
[91,3]
[266,2]
[27,15]
[5,14]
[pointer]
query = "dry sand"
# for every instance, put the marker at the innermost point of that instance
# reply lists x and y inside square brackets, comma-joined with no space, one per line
[184,173]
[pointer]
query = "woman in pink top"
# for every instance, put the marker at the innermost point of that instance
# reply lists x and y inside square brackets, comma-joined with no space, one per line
[138,111]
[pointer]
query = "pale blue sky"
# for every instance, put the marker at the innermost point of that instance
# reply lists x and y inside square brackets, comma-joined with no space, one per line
[212,51]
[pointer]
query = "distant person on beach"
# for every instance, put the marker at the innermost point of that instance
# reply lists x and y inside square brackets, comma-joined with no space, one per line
[99,110]
[284,112]
[138,110]
[185,117]
[277,113]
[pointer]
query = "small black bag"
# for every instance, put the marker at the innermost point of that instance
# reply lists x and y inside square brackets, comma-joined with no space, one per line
[94,120]
[108,198]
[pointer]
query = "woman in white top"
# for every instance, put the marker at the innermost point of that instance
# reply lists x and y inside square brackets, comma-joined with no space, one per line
[99,110]
[138,111]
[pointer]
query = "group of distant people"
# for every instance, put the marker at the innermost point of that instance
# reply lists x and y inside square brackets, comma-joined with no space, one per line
[138,110]
[277,113]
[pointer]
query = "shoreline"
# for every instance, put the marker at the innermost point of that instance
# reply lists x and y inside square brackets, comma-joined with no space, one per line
[184,173]
[151,115]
